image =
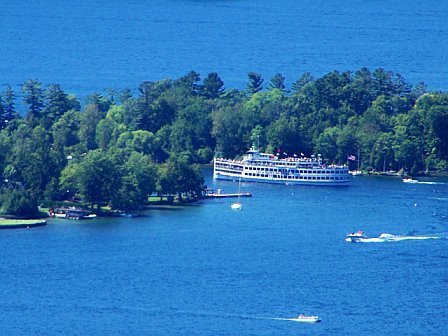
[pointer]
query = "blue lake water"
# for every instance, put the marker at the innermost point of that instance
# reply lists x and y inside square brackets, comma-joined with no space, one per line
[208,270]
[89,46]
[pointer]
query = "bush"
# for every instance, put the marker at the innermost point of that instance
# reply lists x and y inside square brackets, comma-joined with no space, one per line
[19,203]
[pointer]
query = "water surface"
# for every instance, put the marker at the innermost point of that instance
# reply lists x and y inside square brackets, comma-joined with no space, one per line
[95,45]
[208,270]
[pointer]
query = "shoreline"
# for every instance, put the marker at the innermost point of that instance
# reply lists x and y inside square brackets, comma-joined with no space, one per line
[21,223]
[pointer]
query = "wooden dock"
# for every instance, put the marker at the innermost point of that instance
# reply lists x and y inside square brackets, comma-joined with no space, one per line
[210,193]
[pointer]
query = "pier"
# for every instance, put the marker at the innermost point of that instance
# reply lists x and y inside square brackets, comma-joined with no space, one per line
[210,193]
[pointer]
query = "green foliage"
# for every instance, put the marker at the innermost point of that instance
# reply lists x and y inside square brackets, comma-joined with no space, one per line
[255,83]
[33,96]
[178,177]
[57,103]
[213,86]
[277,82]
[96,178]
[8,106]
[137,183]
[119,149]
[19,203]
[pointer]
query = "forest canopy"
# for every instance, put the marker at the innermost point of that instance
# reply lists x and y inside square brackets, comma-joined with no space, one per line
[121,146]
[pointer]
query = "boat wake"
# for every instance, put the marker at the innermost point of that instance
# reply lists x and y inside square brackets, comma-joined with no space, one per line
[427,182]
[387,237]
[282,319]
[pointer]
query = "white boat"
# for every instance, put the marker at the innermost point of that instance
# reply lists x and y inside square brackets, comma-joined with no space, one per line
[307,319]
[355,172]
[71,213]
[409,180]
[356,237]
[238,205]
[261,167]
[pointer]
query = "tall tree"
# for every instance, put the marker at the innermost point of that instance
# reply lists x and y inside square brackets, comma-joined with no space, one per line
[9,105]
[124,95]
[65,130]
[277,82]
[103,104]
[57,103]
[302,81]
[382,83]
[255,83]
[31,162]
[33,96]
[87,130]
[190,82]
[97,177]
[138,182]
[213,86]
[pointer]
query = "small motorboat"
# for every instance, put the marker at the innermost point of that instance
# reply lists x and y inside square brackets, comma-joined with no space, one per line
[307,318]
[409,180]
[356,237]
[236,206]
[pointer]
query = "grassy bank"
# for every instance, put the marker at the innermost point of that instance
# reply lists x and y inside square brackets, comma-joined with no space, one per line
[21,223]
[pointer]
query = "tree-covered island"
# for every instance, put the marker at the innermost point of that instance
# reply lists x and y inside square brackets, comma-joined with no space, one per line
[121,148]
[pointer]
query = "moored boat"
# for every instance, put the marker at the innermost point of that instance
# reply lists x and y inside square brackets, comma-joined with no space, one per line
[355,172]
[262,167]
[71,213]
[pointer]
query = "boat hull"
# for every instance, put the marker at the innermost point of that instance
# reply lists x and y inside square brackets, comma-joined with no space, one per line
[309,319]
[355,240]
[231,177]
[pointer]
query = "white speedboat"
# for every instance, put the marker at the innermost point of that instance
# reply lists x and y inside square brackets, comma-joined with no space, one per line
[409,180]
[356,237]
[307,319]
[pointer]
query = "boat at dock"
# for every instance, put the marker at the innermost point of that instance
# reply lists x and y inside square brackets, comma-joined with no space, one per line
[261,167]
[71,213]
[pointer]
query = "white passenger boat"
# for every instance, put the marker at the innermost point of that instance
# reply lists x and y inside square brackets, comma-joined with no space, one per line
[261,167]
[307,319]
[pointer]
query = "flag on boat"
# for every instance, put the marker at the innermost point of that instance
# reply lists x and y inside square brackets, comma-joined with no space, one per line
[351,157]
